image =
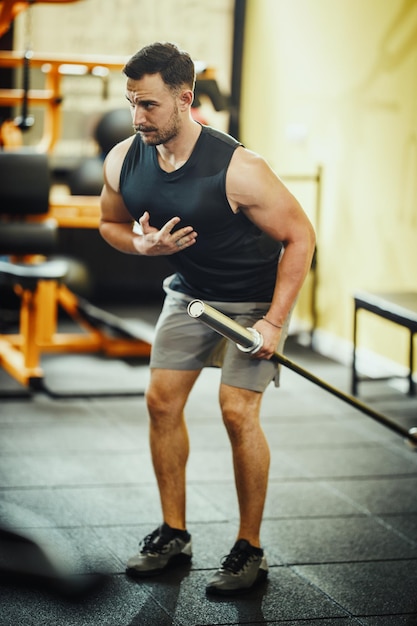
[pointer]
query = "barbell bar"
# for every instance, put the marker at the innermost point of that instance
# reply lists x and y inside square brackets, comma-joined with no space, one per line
[250,340]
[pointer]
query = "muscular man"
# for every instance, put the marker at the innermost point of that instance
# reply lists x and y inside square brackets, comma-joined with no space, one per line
[237,239]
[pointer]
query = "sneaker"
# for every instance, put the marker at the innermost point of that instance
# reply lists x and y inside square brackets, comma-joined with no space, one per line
[165,546]
[243,568]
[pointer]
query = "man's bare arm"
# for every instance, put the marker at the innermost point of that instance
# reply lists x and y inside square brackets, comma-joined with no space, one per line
[255,189]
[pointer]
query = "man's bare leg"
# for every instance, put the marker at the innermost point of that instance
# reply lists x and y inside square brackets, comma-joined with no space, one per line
[251,457]
[166,398]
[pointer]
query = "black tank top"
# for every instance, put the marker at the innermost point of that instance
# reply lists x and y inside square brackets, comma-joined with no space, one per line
[232,260]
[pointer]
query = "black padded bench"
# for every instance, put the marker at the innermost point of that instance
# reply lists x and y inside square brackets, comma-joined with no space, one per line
[397,307]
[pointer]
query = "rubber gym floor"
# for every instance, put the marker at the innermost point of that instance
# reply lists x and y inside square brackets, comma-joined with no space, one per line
[340,522]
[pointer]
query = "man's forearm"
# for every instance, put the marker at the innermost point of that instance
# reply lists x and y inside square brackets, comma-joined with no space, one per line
[291,273]
[121,236]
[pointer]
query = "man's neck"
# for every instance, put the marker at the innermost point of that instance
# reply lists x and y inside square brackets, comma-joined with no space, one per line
[173,154]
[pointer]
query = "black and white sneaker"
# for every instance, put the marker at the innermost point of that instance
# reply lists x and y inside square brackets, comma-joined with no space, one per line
[240,570]
[165,546]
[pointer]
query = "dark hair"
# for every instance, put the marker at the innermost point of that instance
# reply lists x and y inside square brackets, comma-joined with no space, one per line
[174,65]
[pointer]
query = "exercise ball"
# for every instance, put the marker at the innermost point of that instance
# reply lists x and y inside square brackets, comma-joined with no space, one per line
[87,178]
[113,127]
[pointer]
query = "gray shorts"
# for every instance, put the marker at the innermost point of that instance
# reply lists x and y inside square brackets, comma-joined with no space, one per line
[184,343]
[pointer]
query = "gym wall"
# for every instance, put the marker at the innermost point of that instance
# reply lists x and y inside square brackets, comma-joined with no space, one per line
[333,83]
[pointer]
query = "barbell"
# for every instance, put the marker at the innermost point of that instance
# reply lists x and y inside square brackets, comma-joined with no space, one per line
[250,340]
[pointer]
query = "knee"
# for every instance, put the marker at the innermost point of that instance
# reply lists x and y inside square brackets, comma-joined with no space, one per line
[240,412]
[233,419]
[157,404]
[165,409]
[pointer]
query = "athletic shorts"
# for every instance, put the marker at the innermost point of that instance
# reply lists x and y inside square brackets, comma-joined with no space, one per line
[185,343]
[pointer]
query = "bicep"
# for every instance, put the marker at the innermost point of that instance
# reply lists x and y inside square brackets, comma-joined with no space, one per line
[113,208]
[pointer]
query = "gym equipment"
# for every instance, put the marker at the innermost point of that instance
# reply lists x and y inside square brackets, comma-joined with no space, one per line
[50,96]
[397,307]
[25,233]
[86,179]
[25,121]
[113,126]
[250,340]
[10,9]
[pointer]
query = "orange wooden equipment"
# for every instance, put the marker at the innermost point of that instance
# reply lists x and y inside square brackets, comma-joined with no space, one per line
[28,230]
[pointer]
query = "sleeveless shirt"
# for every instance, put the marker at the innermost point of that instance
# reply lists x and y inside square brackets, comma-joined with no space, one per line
[232,259]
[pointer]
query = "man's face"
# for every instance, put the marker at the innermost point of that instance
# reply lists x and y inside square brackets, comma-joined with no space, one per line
[154,108]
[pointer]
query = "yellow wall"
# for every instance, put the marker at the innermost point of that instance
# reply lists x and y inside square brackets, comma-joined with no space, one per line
[333,82]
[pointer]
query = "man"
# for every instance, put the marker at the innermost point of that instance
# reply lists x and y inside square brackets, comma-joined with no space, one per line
[237,239]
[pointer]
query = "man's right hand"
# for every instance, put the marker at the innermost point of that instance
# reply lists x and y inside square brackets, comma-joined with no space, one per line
[164,242]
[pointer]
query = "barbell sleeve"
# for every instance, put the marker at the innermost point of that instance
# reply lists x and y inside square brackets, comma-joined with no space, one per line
[247,339]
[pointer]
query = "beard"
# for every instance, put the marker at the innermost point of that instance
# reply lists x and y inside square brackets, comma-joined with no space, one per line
[153,136]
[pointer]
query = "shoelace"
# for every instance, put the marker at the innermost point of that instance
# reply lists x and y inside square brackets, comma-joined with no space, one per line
[236,560]
[154,543]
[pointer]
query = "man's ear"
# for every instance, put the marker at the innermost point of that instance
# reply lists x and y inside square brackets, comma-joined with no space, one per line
[186,98]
